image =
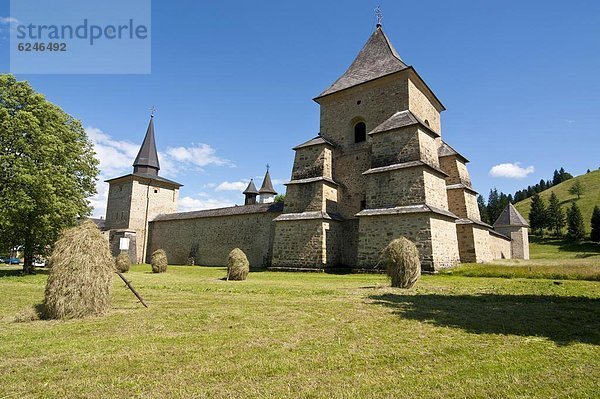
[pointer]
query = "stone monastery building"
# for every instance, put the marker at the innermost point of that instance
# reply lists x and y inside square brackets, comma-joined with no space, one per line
[379,169]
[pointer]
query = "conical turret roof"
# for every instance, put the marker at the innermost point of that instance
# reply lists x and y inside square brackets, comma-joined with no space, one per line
[147,157]
[267,186]
[376,59]
[510,217]
[251,189]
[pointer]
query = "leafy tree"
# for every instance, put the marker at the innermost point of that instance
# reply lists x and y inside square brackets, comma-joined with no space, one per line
[588,171]
[538,217]
[556,217]
[47,170]
[575,227]
[280,198]
[483,209]
[577,189]
[595,236]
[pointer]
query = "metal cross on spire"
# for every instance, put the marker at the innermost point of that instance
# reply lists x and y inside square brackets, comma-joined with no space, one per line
[268,167]
[379,16]
[152,110]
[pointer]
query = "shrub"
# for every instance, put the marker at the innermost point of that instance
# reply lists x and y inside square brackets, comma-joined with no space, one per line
[401,259]
[123,262]
[159,261]
[80,279]
[237,265]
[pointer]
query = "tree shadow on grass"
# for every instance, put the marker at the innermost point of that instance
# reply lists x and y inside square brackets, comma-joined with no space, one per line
[563,320]
[19,272]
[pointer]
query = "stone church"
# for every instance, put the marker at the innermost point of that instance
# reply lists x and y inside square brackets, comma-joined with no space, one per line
[378,169]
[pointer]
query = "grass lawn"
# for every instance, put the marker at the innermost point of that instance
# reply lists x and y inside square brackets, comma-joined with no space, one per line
[293,335]
[550,258]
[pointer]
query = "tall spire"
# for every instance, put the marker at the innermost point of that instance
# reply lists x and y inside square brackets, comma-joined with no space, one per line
[147,158]
[267,192]
[376,59]
[267,185]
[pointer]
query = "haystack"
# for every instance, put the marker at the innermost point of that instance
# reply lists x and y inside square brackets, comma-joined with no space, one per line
[80,279]
[159,261]
[237,265]
[123,262]
[401,258]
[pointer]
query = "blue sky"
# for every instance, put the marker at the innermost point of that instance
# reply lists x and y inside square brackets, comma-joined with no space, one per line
[233,82]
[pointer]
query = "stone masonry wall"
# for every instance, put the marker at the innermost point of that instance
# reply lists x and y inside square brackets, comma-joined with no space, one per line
[428,148]
[500,247]
[376,232]
[210,239]
[444,243]
[396,188]
[313,161]
[422,107]
[314,196]
[147,202]
[520,241]
[118,205]
[474,243]
[435,190]
[299,244]
[463,203]
[456,170]
[456,202]
[395,146]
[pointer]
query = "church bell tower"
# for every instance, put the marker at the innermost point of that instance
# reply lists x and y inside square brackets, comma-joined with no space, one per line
[137,198]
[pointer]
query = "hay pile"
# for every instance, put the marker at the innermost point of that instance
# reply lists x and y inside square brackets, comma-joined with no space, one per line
[237,265]
[80,279]
[159,261]
[402,263]
[123,262]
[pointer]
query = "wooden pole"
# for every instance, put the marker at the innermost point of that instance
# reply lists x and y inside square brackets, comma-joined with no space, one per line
[130,286]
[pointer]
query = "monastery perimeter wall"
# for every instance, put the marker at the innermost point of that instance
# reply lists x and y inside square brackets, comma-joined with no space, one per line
[210,239]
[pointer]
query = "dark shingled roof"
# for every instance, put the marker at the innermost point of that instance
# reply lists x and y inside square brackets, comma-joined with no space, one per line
[376,59]
[423,208]
[401,119]
[406,165]
[267,186]
[147,157]
[251,189]
[316,141]
[147,176]
[510,217]
[99,222]
[274,207]
[446,151]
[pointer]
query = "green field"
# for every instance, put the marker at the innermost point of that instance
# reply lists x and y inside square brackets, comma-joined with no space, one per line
[589,199]
[290,335]
[550,259]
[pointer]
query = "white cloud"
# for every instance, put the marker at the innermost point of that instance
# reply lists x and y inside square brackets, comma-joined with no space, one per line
[11,25]
[232,186]
[196,204]
[511,170]
[8,20]
[198,155]
[114,155]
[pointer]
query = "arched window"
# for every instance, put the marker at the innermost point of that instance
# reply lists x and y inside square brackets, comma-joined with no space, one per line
[427,122]
[360,132]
